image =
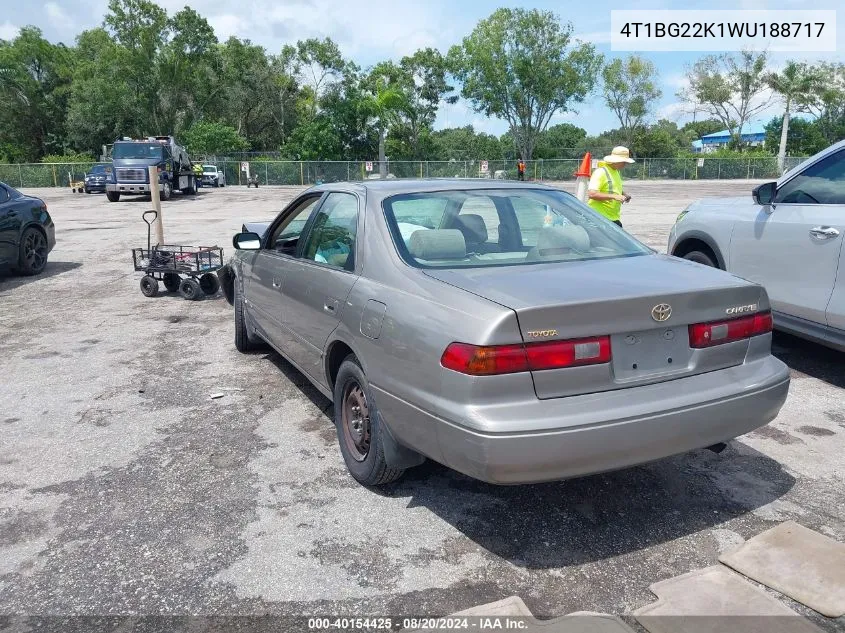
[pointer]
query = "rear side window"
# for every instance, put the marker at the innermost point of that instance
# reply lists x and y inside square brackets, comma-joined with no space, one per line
[821,183]
[502,227]
[332,237]
[4,194]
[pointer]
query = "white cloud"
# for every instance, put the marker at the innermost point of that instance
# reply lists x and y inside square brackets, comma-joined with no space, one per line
[57,16]
[226,25]
[8,31]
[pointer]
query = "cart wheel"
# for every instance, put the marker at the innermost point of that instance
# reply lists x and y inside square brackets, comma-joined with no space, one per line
[172,282]
[190,289]
[209,284]
[149,286]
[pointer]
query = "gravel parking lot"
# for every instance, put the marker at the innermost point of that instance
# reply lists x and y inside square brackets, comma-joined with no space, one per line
[125,489]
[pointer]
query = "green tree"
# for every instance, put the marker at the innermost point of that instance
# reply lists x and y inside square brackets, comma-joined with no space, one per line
[35,80]
[629,89]
[804,138]
[213,138]
[316,64]
[464,143]
[520,65]
[728,87]
[560,141]
[696,129]
[827,101]
[383,102]
[795,83]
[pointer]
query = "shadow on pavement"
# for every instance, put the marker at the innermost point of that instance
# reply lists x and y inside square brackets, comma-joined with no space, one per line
[594,518]
[11,280]
[810,358]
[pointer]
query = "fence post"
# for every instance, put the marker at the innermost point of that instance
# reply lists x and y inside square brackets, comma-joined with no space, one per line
[301,174]
[20,174]
[55,184]
[748,171]
[363,172]
[719,170]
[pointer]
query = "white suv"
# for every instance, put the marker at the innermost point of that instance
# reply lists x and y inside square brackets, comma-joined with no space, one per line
[787,236]
[213,177]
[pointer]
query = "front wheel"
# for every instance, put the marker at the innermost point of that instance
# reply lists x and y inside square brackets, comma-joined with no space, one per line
[244,341]
[190,289]
[359,427]
[166,191]
[112,196]
[149,286]
[209,284]
[172,281]
[700,258]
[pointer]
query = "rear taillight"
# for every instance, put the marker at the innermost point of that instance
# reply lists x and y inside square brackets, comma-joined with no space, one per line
[491,360]
[719,332]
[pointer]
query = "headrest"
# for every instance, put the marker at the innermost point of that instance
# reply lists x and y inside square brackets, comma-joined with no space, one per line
[437,244]
[473,227]
[556,239]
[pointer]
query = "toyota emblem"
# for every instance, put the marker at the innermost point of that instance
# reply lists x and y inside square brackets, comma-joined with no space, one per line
[661,312]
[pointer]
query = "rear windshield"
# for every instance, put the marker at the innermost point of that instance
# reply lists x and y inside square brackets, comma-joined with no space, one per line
[451,229]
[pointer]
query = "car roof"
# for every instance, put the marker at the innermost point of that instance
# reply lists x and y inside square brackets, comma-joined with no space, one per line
[394,186]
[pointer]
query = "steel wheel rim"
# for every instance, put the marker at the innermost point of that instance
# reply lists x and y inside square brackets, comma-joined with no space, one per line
[355,419]
[35,250]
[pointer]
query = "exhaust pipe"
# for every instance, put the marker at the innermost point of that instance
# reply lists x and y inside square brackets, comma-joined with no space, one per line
[717,448]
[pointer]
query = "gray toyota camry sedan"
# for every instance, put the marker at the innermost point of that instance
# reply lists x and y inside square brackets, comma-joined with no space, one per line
[502,329]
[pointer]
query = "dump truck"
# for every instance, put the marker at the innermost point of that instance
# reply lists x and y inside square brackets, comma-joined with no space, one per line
[131,159]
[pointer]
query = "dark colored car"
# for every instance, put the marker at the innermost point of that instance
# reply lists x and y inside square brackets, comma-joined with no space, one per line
[95,180]
[27,233]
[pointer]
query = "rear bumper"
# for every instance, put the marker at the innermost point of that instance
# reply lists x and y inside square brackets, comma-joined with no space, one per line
[602,432]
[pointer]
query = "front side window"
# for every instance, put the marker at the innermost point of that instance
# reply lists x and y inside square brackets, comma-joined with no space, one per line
[821,183]
[4,194]
[332,238]
[285,237]
[469,228]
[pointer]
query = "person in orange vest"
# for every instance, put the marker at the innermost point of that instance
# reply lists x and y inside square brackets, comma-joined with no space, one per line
[605,193]
[520,169]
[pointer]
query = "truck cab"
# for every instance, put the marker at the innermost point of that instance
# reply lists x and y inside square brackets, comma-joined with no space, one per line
[132,158]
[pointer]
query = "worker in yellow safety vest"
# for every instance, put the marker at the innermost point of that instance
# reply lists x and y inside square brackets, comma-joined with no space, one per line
[605,193]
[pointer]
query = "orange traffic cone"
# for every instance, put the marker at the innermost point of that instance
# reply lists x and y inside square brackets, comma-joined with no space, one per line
[583,177]
[584,170]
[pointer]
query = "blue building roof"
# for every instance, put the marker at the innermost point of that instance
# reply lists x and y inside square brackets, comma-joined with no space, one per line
[750,132]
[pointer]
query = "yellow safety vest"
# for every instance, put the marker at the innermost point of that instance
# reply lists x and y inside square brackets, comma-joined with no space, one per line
[605,179]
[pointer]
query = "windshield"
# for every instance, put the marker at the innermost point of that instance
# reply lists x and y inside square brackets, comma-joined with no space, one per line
[451,229]
[138,150]
[209,169]
[98,169]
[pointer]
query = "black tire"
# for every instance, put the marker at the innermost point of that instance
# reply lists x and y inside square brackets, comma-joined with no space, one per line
[209,284]
[244,341]
[358,427]
[87,190]
[172,281]
[190,289]
[165,191]
[113,196]
[191,189]
[32,257]
[700,257]
[149,286]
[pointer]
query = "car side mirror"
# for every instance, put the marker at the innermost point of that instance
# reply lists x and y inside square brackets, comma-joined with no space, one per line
[764,194]
[246,241]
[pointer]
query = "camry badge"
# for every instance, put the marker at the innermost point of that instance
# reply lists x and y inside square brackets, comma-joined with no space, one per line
[661,312]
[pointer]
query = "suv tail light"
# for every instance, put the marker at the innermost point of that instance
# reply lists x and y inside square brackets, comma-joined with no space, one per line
[492,360]
[720,332]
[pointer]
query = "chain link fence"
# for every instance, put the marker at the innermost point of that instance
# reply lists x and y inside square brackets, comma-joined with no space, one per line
[279,172]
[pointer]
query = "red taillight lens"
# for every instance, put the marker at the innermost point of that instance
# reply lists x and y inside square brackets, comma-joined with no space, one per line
[720,332]
[557,354]
[508,359]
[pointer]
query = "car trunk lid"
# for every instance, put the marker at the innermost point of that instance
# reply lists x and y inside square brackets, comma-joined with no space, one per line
[643,303]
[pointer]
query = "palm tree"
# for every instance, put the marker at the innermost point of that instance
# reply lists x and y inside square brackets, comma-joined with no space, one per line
[792,84]
[382,105]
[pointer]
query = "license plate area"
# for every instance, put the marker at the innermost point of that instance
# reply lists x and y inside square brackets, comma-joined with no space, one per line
[650,353]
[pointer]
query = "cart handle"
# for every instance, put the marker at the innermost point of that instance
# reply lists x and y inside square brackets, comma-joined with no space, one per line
[146,213]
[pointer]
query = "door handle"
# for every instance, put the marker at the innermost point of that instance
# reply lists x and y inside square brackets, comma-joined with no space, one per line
[824,232]
[276,283]
[330,306]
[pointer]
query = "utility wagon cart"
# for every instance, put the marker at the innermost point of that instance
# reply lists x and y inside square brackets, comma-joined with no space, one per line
[188,270]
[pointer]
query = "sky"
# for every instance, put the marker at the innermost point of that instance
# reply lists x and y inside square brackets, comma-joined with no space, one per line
[370,31]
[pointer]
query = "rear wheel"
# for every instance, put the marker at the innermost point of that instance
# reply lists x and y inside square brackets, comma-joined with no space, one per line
[700,257]
[172,281]
[191,189]
[190,289]
[33,252]
[166,190]
[149,286]
[359,427]
[112,196]
[209,284]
